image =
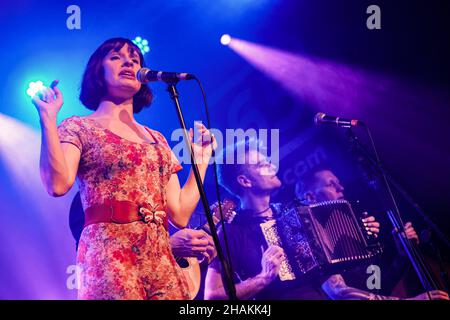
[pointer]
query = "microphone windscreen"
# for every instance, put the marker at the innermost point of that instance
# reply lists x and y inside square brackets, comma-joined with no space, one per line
[318,118]
[141,75]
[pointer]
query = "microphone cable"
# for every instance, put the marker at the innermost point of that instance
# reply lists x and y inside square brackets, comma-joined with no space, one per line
[216,179]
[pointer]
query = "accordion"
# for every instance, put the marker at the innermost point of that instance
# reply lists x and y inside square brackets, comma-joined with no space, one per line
[324,235]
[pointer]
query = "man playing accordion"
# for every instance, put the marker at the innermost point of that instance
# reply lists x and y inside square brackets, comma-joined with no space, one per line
[252,179]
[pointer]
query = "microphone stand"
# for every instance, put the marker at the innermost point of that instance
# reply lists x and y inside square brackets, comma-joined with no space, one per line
[394,215]
[227,278]
[399,188]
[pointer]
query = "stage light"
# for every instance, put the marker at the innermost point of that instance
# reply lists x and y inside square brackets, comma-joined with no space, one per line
[142,44]
[225,39]
[35,87]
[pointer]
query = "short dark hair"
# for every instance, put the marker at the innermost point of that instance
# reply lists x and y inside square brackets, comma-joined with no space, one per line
[93,86]
[228,172]
[307,180]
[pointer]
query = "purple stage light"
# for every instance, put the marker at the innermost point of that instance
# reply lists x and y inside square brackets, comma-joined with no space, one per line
[393,107]
[38,249]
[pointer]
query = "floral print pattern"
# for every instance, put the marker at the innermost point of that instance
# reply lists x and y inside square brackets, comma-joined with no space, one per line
[124,261]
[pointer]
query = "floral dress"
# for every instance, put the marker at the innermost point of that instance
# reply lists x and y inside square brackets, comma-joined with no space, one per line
[133,260]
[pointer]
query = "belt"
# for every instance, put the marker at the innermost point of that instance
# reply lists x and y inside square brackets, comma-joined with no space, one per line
[121,212]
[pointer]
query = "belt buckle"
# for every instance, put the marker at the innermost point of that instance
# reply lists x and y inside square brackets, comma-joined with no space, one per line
[152,215]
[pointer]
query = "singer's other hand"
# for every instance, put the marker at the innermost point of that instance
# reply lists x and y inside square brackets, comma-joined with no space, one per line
[49,101]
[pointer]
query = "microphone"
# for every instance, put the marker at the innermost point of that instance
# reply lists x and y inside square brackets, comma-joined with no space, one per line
[322,118]
[145,75]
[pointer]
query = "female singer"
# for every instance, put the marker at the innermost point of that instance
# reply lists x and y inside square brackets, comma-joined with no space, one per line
[127,178]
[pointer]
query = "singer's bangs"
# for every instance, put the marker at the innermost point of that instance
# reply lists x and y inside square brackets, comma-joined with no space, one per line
[132,48]
[93,86]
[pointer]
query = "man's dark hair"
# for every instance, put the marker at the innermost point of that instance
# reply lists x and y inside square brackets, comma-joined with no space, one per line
[228,173]
[93,86]
[307,181]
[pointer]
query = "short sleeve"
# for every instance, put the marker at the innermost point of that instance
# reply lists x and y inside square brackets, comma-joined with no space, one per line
[175,165]
[69,132]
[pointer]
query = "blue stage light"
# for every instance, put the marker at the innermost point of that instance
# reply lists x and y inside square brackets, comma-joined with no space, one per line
[142,44]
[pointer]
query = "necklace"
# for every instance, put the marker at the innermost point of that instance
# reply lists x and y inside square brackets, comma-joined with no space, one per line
[260,212]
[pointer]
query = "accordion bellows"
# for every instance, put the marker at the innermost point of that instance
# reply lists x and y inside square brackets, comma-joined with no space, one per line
[316,236]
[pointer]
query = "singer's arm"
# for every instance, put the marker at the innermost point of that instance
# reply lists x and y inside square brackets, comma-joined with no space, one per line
[181,202]
[58,161]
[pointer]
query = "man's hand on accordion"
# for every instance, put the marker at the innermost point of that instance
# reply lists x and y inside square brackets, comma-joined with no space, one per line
[431,295]
[372,226]
[271,262]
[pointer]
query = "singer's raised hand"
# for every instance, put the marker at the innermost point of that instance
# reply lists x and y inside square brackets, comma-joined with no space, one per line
[49,101]
[203,144]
